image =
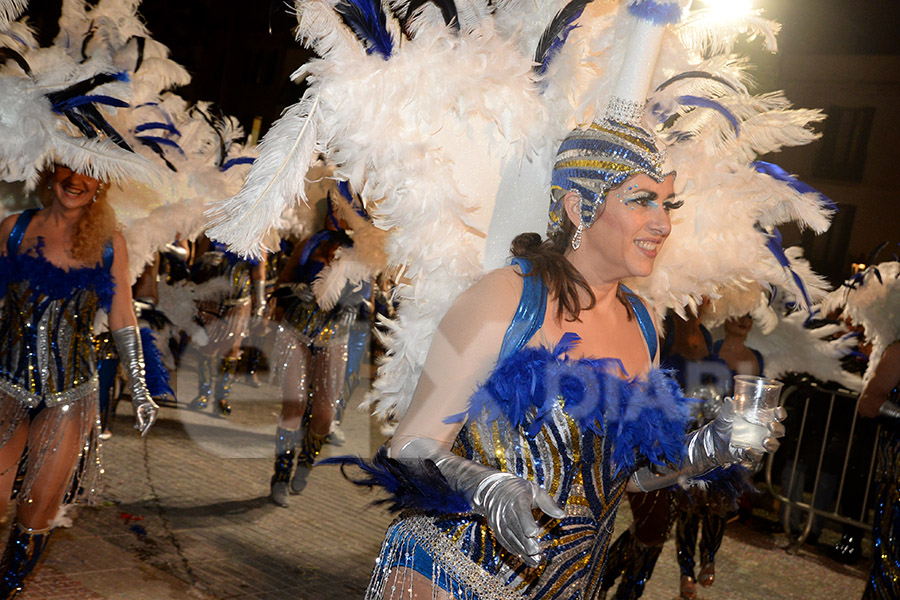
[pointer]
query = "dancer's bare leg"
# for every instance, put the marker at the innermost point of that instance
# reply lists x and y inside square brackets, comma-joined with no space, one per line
[408,584]
[10,455]
[51,471]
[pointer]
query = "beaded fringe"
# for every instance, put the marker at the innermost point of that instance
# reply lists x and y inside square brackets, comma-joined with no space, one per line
[394,577]
[87,468]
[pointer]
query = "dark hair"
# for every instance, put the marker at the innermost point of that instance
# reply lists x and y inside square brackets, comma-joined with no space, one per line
[563,281]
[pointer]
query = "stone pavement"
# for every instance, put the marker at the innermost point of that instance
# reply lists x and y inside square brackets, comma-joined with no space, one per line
[184,515]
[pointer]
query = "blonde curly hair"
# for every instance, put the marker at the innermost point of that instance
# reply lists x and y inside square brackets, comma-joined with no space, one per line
[94,228]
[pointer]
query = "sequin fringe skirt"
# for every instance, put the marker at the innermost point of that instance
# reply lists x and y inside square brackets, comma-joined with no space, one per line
[231,325]
[84,412]
[414,545]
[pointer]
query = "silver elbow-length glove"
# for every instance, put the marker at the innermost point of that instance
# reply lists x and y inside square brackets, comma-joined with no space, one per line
[504,499]
[131,355]
[710,447]
[889,410]
[259,298]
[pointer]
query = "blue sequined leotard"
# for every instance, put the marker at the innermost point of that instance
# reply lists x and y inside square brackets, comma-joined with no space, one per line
[884,578]
[576,428]
[46,324]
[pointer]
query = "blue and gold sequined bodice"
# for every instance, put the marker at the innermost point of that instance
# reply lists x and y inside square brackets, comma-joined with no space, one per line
[46,324]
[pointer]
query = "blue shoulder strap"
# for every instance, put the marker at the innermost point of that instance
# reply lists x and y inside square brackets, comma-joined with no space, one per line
[529,315]
[18,231]
[644,320]
[108,255]
[707,336]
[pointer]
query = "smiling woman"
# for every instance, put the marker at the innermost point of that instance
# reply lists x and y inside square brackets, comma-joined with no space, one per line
[569,407]
[85,197]
[60,265]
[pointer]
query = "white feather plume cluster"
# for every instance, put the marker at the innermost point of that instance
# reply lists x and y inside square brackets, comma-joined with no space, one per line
[160,191]
[34,136]
[792,347]
[871,299]
[451,139]
[10,11]
[178,302]
[351,266]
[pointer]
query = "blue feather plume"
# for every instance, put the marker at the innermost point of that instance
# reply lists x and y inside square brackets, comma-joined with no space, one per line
[153,125]
[367,20]
[557,32]
[725,485]
[658,13]
[716,106]
[156,373]
[239,160]
[415,485]
[776,172]
[774,244]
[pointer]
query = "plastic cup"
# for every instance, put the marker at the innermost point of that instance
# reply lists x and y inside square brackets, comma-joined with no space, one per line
[752,397]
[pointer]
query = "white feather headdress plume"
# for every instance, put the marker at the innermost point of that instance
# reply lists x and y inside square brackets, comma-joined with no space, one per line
[448,119]
[10,10]
[351,266]
[871,299]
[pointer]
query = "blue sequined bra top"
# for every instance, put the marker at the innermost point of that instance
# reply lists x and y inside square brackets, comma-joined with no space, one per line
[46,323]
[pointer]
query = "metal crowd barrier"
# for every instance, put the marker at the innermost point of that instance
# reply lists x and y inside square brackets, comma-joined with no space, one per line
[789,497]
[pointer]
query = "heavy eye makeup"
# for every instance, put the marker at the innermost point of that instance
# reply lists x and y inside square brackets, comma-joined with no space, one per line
[648,199]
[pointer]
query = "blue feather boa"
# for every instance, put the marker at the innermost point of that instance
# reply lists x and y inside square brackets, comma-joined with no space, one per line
[724,485]
[54,283]
[644,418]
[157,376]
[411,484]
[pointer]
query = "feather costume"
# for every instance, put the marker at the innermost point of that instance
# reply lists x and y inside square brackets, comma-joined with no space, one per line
[449,130]
[871,298]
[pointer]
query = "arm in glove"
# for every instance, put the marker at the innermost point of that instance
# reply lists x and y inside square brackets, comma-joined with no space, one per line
[131,355]
[889,410]
[504,499]
[259,298]
[710,447]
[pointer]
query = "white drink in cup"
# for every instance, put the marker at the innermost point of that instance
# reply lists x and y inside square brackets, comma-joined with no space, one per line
[753,396]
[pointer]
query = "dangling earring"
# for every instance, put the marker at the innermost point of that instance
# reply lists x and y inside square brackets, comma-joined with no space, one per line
[576,239]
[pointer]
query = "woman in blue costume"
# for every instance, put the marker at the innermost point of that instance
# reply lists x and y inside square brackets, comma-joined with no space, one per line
[871,300]
[227,320]
[881,398]
[311,352]
[568,408]
[58,267]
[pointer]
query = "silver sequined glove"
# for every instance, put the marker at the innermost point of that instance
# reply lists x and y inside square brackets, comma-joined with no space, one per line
[131,355]
[889,410]
[710,447]
[504,499]
[259,298]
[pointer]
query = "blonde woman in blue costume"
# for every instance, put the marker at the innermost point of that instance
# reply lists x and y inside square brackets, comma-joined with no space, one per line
[569,409]
[58,266]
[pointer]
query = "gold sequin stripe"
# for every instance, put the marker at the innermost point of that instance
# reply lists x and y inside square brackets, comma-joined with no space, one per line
[63,398]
